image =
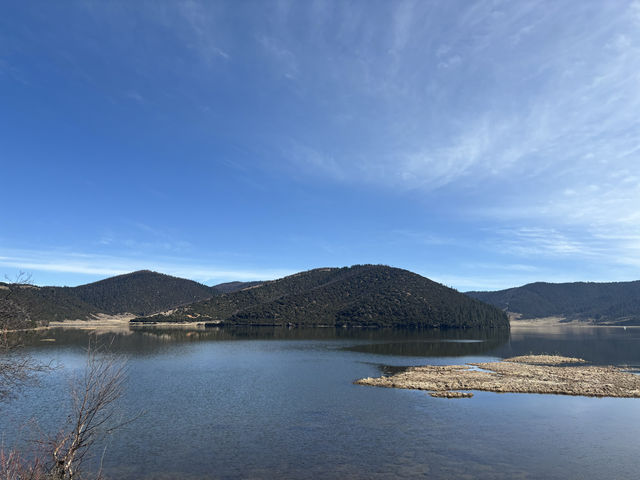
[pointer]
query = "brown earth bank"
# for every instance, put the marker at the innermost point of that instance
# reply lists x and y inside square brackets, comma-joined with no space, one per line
[549,374]
[516,321]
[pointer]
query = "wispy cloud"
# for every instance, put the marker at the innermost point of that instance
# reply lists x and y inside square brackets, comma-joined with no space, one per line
[107,265]
[204,30]
[283,57]
[543,242]
[620,247]
[133,95]
[517,117]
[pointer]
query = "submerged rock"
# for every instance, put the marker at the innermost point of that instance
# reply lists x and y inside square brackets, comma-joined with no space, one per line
[450,394]
[544,359]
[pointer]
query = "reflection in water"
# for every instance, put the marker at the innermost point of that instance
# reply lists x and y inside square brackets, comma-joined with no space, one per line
[599,345]
[438,343]
[141,340]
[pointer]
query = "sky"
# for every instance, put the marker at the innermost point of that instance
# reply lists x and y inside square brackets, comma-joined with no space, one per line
[482,144]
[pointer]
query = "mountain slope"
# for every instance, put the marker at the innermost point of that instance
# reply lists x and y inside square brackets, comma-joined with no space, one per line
[362,295]
[25,306]
[617,302]
[230,287]
[142,292]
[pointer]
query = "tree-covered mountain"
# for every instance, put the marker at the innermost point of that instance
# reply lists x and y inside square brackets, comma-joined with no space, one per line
[230,287]
[25,306]
[140,293]
[362,295]
[617,302]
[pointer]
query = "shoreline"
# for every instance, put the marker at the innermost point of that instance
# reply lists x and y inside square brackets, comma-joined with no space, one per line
[559,322]
[122,322]
[99,322]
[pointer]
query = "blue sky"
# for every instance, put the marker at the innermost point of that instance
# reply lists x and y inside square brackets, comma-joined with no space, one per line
[482,144]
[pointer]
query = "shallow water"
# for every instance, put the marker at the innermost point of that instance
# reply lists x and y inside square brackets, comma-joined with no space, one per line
[277,403]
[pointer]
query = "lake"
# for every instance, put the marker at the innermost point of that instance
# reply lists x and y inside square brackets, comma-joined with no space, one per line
[279,403]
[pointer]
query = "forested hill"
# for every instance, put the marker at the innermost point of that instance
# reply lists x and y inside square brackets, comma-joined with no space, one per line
[25,306]
[141,293]
[362,295]
[617,302]
[231,287]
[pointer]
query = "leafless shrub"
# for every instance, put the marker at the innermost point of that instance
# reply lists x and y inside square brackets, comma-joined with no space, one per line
[14,467]
[21,278]
[94,396]
[94,393]
[12,314]
[17,369]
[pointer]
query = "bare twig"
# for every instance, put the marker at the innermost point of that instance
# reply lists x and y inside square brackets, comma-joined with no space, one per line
[93,396]
[13,315]
[21,278]
[17,369]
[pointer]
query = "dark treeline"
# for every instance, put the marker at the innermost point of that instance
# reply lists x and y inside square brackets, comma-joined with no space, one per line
[230,287]
[617,302]
[141,293]
[362,295]
[23,305]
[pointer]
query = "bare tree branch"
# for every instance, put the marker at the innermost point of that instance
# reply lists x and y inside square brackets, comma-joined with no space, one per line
[12,314]
[14,467]
[94,396]
[17,369]
[21,278]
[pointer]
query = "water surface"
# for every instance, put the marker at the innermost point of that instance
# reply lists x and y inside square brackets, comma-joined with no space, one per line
[277,403]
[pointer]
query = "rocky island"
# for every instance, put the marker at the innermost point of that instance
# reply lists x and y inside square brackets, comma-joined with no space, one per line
[549,374]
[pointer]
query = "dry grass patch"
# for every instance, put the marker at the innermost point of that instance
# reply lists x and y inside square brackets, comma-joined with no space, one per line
[549,374]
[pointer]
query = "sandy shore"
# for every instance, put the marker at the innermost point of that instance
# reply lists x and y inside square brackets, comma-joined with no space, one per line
[176,325]
[100,323]
[552,322]
[527,374]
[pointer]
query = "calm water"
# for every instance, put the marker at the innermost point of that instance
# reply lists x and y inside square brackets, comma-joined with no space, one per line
[281,404]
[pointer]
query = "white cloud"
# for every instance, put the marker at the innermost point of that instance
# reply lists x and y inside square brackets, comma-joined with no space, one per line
[93,264]
[532,242]
[283,57]
[558,108]
[203,29]
[634,11]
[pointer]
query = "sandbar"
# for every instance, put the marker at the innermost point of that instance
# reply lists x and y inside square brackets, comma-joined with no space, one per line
[547,374]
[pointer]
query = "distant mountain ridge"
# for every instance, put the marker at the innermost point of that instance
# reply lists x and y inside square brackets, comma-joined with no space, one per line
[140,293]
[362,295]
[601,303]
[230,287]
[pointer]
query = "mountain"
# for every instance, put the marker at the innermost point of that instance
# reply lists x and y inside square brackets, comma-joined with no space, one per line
[231,287]
[603,303]
[140,293]
[25,306]
[362,295]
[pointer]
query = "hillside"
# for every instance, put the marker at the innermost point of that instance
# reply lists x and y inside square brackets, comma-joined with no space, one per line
[24,306]
[141,293]
[230,287]
[617,302]
[362,295]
